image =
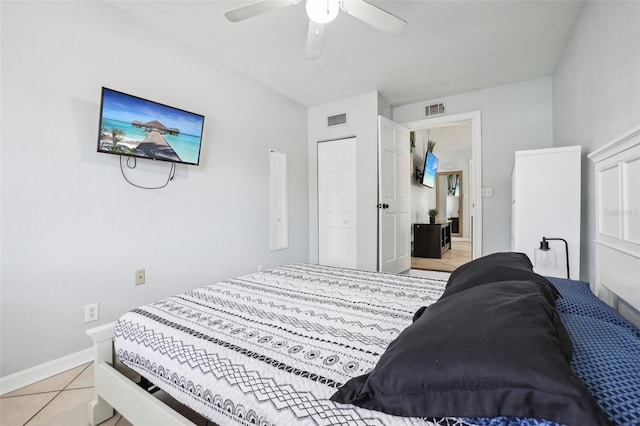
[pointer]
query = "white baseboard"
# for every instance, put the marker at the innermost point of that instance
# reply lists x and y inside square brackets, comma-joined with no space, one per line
[39,372]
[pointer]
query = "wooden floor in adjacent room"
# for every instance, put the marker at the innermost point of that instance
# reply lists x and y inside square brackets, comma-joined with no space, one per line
[459,254]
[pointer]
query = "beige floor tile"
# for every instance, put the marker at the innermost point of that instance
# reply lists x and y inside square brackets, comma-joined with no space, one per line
[69,408]
[18,409]
[116,420]
[54,383]
[84,380]
[123,422]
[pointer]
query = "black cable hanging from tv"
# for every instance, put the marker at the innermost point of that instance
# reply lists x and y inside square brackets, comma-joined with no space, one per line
[172,173]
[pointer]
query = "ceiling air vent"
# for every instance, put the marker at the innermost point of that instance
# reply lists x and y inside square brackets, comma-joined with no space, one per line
[337,120]
[434,109]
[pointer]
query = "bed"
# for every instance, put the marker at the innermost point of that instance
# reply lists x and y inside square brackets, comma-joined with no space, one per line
[273,347]
[292,344]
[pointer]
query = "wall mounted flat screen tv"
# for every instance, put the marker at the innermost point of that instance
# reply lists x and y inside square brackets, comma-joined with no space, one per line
[430,170]
[137,127]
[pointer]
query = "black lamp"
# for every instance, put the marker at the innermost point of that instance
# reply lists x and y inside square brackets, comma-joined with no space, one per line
[544,256]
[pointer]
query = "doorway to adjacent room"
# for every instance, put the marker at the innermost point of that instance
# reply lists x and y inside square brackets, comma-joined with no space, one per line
[459,180]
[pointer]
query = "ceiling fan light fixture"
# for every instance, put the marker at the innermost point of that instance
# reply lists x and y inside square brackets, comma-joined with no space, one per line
[322,11]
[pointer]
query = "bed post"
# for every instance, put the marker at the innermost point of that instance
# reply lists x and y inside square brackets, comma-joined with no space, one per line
[102,336]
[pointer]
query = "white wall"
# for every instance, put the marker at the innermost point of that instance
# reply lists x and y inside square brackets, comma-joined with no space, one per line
[384,109]
[596,95]
[362,113]
[73,231]
[514,117]
[422,198]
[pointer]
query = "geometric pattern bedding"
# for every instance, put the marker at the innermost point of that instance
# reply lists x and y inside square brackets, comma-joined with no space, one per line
[270,348]
[606,350]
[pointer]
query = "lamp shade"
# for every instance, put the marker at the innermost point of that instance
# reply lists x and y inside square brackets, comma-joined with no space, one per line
[545,259]
[322,11]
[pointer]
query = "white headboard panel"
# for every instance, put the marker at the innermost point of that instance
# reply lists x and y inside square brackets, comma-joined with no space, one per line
[617,236]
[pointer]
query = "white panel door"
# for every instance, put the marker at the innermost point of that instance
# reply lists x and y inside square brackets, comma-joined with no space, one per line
[278,205]
[394,234]
[337,228]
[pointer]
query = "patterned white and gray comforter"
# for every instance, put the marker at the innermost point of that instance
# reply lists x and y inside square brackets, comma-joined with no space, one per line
[272,347]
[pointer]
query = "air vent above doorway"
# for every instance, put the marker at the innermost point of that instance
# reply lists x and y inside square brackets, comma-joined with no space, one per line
[434,109]
[337,120]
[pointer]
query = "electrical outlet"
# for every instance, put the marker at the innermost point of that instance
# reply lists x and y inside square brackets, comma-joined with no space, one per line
[139,277]
[91,312]
[487,192]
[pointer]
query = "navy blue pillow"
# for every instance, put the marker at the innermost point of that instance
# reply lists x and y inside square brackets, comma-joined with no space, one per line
[498,349]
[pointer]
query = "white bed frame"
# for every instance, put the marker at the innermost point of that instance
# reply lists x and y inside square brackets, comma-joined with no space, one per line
[114,389]
[617,221]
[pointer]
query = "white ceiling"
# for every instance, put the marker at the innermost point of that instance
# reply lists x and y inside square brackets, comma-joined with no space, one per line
[448,47]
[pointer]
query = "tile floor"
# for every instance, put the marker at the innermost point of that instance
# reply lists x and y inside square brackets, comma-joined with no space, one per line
[60,400]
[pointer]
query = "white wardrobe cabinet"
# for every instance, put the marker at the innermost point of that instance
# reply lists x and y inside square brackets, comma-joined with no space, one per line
[545,202]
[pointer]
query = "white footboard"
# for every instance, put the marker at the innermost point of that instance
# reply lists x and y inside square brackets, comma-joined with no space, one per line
[114,390]
[99,409]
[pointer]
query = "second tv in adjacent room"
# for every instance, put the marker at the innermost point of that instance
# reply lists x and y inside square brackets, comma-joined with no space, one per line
[430,169]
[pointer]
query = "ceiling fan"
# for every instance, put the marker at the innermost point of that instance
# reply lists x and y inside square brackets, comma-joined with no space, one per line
[321,12]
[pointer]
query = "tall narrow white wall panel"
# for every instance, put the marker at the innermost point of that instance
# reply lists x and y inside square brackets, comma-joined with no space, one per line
[278,201]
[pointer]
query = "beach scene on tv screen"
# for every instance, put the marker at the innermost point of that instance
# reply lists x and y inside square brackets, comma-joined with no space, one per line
[134,126]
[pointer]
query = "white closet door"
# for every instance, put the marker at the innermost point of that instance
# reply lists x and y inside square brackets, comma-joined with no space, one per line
[337,228]
[278,206]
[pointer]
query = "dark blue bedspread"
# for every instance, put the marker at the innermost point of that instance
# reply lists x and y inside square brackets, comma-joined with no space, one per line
[606,356]
[606,350]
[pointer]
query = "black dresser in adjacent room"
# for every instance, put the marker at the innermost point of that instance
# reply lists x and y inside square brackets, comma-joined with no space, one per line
[431,239]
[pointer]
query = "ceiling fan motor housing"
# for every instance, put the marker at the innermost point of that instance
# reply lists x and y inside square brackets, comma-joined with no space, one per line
[322,11]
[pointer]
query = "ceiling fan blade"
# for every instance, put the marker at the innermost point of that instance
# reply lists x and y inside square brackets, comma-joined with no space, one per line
[258,8]
[314,40]
[374,16]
